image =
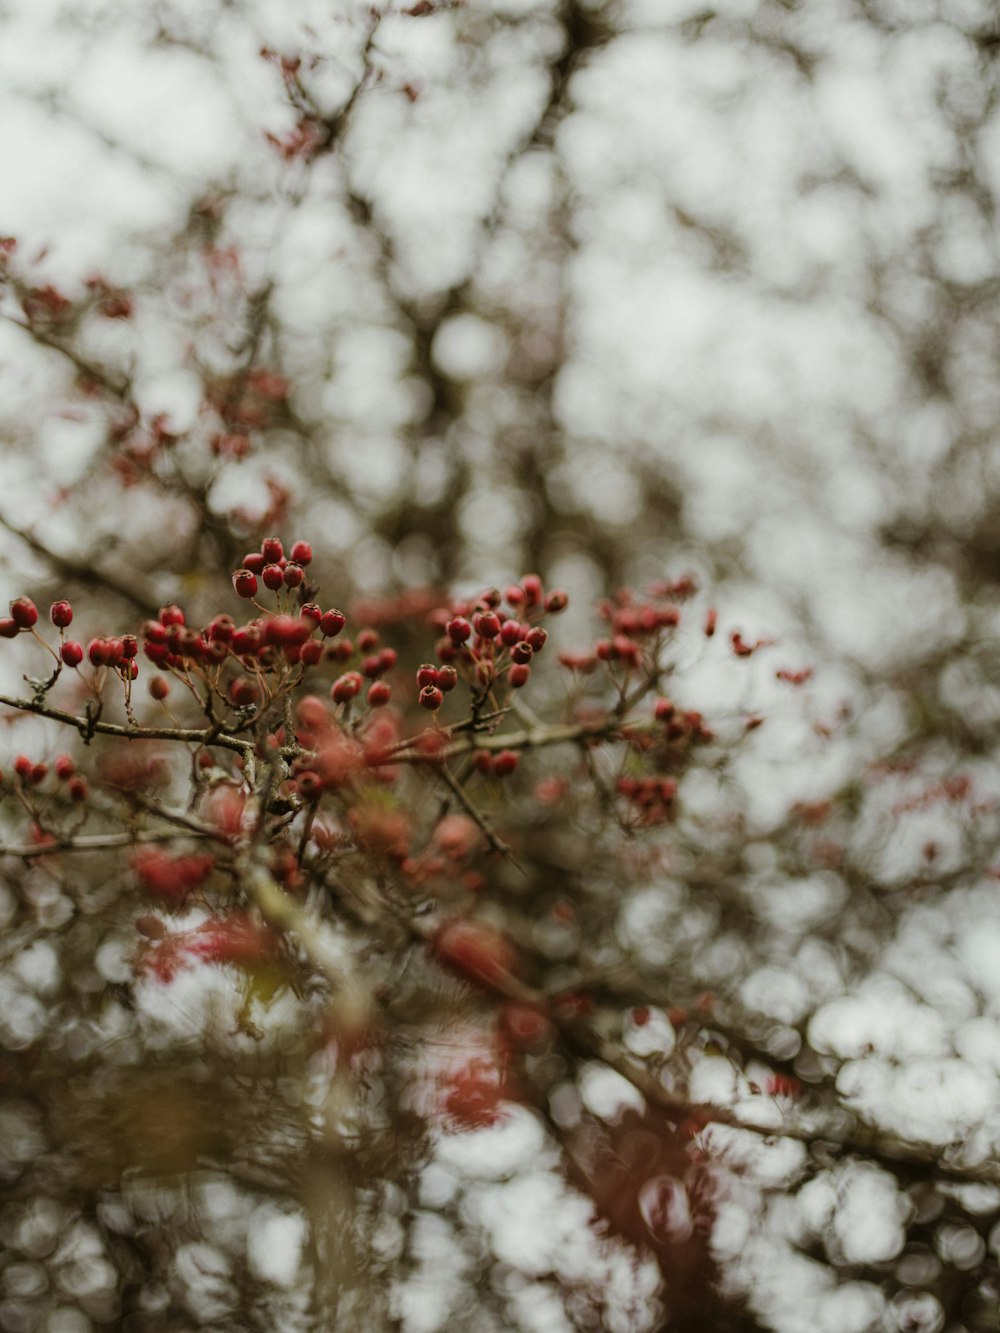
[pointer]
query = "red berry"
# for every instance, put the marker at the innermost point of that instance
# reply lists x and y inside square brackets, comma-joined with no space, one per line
[245,583]
[171,615]
[97,651]
[664,710]
[387,658]
[346,687]
[130,645]
[273,576]
[459,630]
[71,653]
[557,600]
[301,553]
[23,766]
[61,614]
[310,611]
[487,625]
[522,653]
[535,638]
[427,675]
[447,678]
[380,693]
[331,623]
[532,586]
[431,698]
[39,773]
[254,561]
[505,762]
[9,628]
[294,575]
[476,951]
[272,550]
[367,640]
[77,788]
[24,611]
[510,632]
[246,640]
[513,595]
[64,767]
[158,688]
[311,652]
[519,675]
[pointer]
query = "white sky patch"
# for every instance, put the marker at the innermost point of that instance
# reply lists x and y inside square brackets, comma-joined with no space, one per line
[275,1242]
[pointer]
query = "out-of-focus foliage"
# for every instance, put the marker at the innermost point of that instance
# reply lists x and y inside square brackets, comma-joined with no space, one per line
[611,291]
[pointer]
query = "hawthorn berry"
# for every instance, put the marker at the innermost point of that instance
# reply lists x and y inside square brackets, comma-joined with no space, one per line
[379,694]
[311,652]
[536,638]
[520,674]
[23,766]
[427,675]
[346,687]
[272,550]
[71,653]
[78,788]
[367,640]
[64,767]
[431,698]
[532,586]
[301,553]
[171,615]
[273,577]
[61,614]
[158,688]
[9,628]
[505,762]
[331,623]
[24,611]
[459,630]
[254,561]
[245,583]
[487,625]
[447,678]
[522,653]
[557,600]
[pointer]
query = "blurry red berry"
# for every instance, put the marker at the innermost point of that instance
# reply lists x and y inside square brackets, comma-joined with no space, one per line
[427,675]
[9,628]
[61,614]
[536,638]
[294,575]
[380,693]
[71,653]
[301,553]
[23,766]
[254,561]
[273,577]
[532,586]
[505,762]
[459,630]
[77,788]
[487,625]
[64,767]
[272,550]
[346,687]
[171,615]
[519,675]
[557,600]
[158,688]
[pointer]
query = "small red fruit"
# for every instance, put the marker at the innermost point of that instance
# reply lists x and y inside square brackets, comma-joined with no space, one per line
[272,550]
[158,688]
[301,553]
[520,674]
[505,762]
[346,687]
[427,675]
[431,698]
[71,653]
[477,952]
[61,614]
[331,623]
[459,629]
[245,583]
[9,628]
[64,767]
[379,694]
[487,625]
[24,611]
[273,577]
